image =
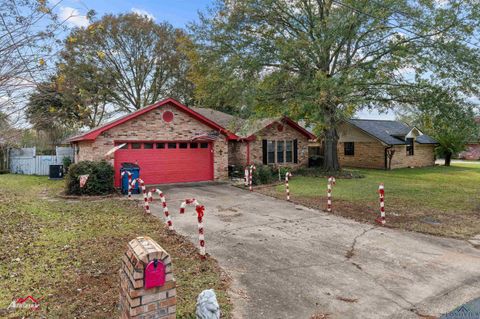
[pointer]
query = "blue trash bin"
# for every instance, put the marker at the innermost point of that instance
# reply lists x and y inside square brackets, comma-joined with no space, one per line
[134,169]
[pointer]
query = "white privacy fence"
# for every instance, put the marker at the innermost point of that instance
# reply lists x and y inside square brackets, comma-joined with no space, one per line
[25,161]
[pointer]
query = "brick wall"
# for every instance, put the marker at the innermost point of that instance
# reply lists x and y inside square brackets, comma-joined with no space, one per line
[367,155]
[151,127]
[372,155]
[424,155]
[237,153]
[370,152]
[272,133]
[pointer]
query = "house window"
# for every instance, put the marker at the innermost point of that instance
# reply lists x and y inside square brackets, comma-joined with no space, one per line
[349,148]
[136,146]
[172,145]
[148,146]
[270,152]
[203,145]
[160,145]
[410,143]
[288,151]
[193,145]
[183,145]
[280,151]
[124,147]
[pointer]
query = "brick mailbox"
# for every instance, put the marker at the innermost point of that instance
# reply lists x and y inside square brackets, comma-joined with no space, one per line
[147,286]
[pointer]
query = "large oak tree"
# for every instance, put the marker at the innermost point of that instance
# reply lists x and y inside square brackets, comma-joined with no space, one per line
[138,58]
[322,60]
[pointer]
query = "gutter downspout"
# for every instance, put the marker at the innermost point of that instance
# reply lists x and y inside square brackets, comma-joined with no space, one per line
[386,156]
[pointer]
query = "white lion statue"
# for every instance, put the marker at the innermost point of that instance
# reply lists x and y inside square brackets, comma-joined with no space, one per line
[207,305]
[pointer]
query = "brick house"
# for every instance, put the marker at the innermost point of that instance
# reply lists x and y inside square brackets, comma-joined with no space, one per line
[173,143]
[472,148]
[367,143]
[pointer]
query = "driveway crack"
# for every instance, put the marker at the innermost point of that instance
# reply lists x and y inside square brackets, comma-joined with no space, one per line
[351,252]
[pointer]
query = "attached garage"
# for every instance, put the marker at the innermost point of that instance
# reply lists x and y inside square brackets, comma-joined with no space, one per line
[167,161]
[169,141]
[173,143]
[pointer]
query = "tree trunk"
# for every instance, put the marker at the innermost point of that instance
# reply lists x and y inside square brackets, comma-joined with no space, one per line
[330,163]
[448,159]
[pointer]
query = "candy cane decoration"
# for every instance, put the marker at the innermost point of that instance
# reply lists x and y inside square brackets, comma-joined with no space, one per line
[144,190]
[129,183]
[250,176]
[381,192]
[246,177]
[331,182]
[164,205]
[287,189]
[200,212]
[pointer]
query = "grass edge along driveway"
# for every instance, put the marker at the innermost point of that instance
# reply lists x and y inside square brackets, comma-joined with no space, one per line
[68,252]
[439,200]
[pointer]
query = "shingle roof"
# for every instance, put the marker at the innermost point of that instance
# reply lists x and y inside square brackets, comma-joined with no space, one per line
[389,132]
[225,120]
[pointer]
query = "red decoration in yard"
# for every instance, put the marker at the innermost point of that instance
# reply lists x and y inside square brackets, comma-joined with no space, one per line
[83,180]
[129,183]
[200,212]
[331,182]
[167,116]
[164,205]
[144,191]
[381,192]
[287,176]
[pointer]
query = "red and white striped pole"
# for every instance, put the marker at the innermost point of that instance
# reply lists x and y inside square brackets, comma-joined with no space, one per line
[381,192]
[331,182]
[250,176]
[287,189]
[164,205]
[246,176]
[144,191]
[200,212]
[129,183]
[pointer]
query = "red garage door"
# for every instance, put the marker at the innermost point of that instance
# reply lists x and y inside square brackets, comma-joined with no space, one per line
[167,162]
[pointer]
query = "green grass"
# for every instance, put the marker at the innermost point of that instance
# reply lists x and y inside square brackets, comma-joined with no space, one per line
[450,195]
[444,188]
[68,252]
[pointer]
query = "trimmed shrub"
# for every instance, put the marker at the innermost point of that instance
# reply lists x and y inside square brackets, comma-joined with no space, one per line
[263,175]
[100,180]
[66,161]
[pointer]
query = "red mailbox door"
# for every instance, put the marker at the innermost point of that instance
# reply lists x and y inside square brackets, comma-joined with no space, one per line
[154,274]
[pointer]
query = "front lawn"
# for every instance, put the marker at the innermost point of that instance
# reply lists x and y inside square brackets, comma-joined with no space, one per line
[438,200]
[68,252]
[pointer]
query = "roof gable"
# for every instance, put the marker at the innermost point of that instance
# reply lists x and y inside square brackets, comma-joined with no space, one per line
[249,130]
[391,132]
[94,133]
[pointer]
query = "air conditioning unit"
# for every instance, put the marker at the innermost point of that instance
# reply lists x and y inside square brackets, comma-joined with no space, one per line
[55,171]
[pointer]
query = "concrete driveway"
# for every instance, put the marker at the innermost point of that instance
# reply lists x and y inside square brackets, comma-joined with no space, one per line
[288,261]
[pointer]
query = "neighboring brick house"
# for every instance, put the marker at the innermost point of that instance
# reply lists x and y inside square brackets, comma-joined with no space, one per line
[472,149]
[173,143]
[367,143]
